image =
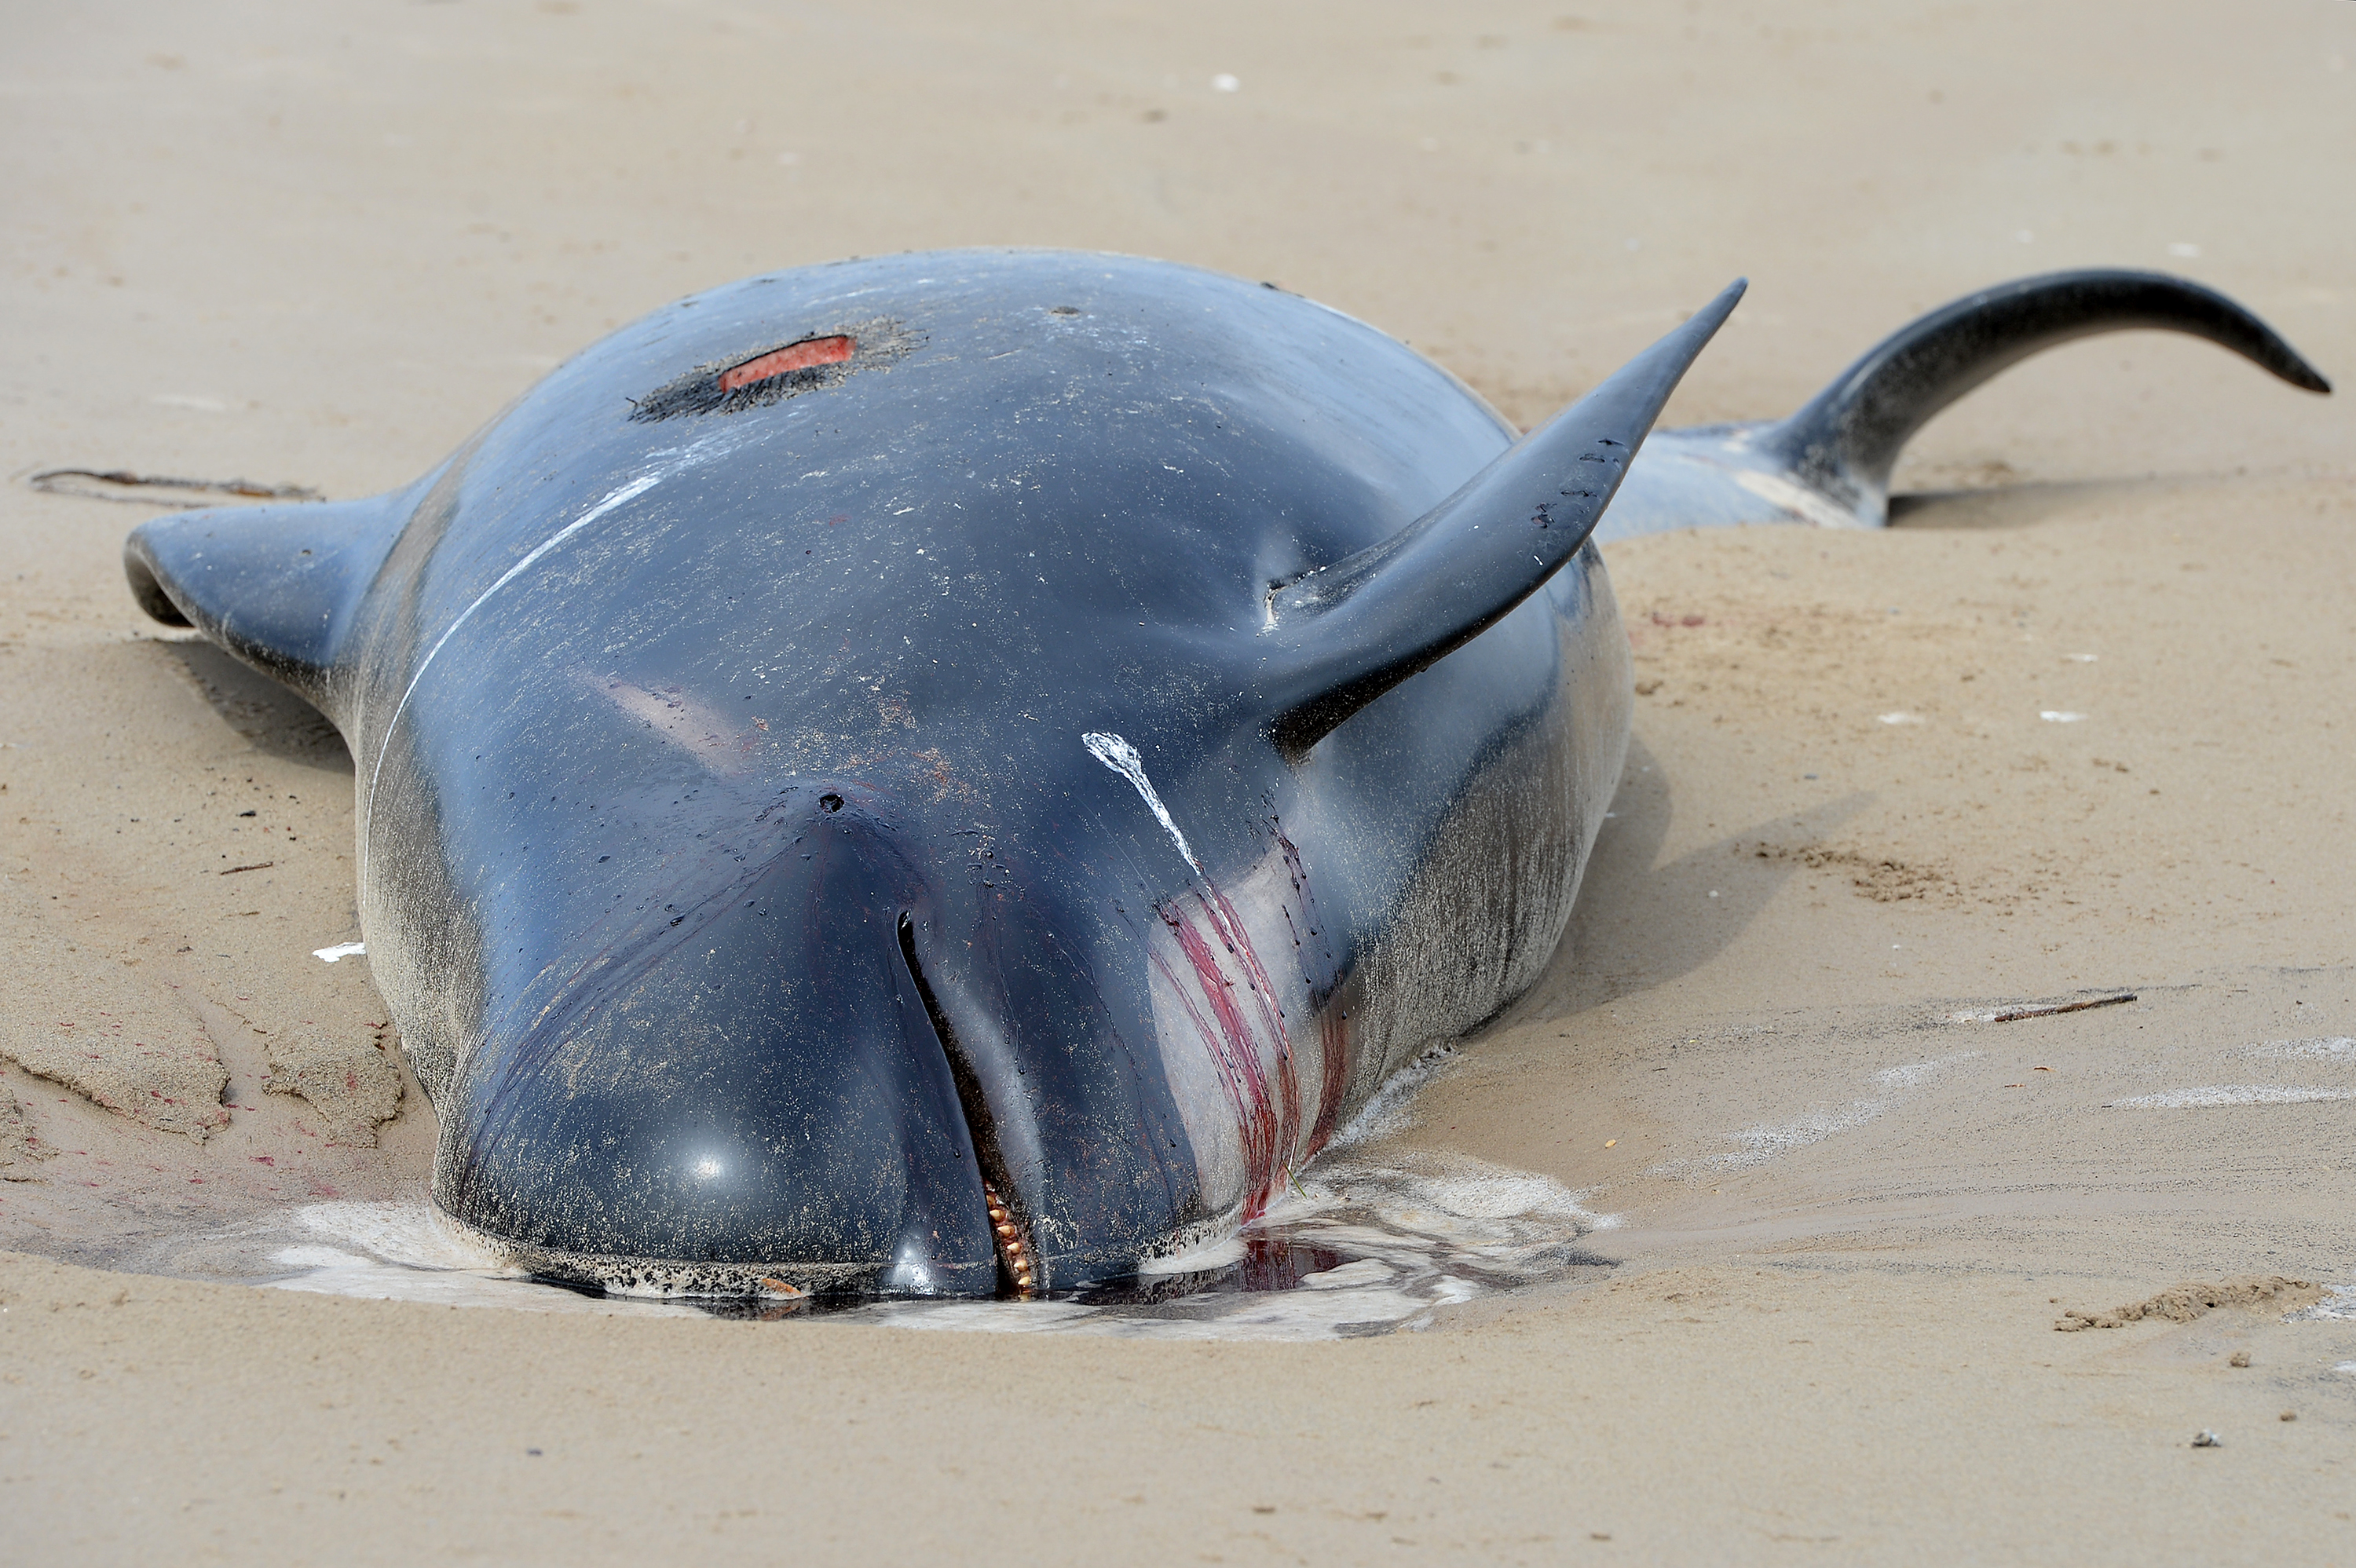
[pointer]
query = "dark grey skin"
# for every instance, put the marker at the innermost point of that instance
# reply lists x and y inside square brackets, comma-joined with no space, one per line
[952,774]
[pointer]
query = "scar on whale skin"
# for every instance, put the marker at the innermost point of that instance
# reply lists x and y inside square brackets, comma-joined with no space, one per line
[802,356]
[756,377]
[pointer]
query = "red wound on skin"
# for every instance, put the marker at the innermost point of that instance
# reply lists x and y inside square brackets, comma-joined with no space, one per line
[793,356]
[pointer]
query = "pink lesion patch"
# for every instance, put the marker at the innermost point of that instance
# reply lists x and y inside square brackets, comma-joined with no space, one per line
[805,354]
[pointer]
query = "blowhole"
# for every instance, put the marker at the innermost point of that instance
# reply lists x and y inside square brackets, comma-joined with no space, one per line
[831,802]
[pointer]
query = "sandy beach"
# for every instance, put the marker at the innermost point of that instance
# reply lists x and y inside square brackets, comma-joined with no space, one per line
[2077,728]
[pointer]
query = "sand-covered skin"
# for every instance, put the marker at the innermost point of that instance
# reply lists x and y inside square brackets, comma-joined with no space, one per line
[320,245]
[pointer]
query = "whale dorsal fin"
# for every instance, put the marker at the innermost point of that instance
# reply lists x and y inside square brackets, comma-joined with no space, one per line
[1845,441]
[274,585]
[1346,633]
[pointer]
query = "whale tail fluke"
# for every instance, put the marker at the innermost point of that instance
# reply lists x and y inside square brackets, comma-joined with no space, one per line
[1845,441]
[1830,463]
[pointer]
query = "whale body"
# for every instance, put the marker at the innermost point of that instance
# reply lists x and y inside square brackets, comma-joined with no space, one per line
[953,775]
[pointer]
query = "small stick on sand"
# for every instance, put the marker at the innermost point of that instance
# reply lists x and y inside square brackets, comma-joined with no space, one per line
[2036,1009]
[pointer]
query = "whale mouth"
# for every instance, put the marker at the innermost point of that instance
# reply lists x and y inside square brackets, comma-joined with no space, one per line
[1018,1268]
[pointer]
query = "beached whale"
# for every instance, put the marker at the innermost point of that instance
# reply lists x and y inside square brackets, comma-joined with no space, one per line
[953,773]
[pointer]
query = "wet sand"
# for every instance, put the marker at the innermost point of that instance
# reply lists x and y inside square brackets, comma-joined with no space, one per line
[319,245]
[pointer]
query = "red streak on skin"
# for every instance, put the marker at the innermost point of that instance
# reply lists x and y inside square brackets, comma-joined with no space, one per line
[793,356]
[1269,1114]
[1237,1053]
[1267,1117]
[1271,1015]
[1239,1099]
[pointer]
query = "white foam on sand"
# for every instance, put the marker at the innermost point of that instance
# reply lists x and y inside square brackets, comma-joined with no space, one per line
[2339,1306]
[1360,1242]
[1762,1143]
[2213,1095]
[407,1252]
[1388,1112]
[1408,1232]
[2338,1049]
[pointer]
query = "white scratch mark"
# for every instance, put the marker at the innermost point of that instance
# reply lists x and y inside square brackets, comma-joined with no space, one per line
[708,450]
[1121,758]
[635,489]
[340,950]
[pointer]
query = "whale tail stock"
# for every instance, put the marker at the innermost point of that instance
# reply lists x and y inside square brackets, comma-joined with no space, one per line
[1829,463]
[1340,636]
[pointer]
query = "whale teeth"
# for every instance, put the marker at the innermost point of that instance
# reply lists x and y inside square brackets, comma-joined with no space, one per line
[1010,1242]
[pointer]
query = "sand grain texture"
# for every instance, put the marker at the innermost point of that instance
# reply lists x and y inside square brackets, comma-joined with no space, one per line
[319,245]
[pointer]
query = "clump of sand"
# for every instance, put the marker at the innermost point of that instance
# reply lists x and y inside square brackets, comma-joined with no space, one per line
[2183,1303]
[322,1048]
[109,1035]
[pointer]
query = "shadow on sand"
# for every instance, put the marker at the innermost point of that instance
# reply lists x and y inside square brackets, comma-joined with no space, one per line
[274,719]
[1640,922]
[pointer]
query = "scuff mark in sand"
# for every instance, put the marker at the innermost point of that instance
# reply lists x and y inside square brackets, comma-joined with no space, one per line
[1763,1142]
[2214,1095]
[2338,1049]
[135,1060]
[19,1148]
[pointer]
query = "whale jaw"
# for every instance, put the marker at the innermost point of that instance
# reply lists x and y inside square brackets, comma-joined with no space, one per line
[743,1085]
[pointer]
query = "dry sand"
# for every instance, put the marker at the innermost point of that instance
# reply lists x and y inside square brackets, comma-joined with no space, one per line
[319,244]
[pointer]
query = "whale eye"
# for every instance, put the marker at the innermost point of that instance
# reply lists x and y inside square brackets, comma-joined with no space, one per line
[831,802]
[807,355]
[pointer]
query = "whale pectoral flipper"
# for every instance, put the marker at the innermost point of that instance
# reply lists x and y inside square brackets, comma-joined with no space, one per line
[1845,442]
[1342,635]
[270,584]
